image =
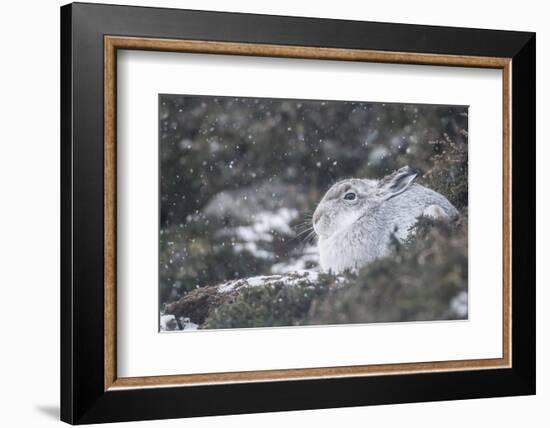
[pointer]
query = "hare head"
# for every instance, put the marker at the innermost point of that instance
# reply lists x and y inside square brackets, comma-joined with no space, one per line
[349,200]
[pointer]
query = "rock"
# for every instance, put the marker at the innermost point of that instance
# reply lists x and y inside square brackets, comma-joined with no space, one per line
[197,304]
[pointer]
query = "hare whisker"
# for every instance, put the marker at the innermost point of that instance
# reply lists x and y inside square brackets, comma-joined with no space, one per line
[307,230]
[310,237]
[301,236]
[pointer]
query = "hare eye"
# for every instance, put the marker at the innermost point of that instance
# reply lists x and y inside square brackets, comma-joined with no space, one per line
[350,196]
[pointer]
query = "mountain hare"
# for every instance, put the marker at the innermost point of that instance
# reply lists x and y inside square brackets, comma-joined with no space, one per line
[356,218]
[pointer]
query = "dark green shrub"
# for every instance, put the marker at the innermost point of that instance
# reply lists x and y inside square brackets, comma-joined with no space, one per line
[417,282]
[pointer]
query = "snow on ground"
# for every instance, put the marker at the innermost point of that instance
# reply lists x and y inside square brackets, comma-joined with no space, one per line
[292,279]
[459,304]
[166,320]
[254,249]
[169,323]
[264,225]
[309,257]
[189,325]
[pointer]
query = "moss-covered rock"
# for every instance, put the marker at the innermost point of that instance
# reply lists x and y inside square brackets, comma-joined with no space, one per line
[284,301]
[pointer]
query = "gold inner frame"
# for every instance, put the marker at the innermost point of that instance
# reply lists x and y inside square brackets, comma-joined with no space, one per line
[113,43]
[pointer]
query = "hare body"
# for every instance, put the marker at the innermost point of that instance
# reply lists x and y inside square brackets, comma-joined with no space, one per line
[356,218]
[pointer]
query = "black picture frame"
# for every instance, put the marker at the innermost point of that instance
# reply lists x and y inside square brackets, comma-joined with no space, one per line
[83,398]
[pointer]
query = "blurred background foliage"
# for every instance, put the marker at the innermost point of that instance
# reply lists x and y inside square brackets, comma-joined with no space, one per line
[240,176]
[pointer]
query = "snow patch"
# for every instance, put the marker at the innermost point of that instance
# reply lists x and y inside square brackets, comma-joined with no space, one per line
[189,325]
[170,323]
[265,224]
[292,279]
[308,258]
[253,249]
[166,320]
[459,304]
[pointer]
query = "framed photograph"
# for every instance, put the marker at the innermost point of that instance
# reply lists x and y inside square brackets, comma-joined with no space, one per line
[265,213]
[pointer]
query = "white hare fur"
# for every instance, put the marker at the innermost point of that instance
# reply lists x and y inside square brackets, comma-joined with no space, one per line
[356,218]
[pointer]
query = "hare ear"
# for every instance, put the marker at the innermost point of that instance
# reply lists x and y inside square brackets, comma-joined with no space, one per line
[397,182]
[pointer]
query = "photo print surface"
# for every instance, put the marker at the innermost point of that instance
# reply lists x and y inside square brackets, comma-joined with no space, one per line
[287,212]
